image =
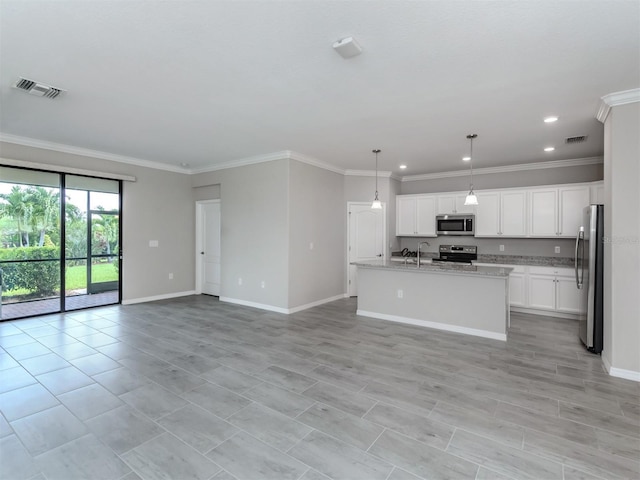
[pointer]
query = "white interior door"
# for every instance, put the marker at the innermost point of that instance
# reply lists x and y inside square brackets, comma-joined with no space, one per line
[367,238]
[208,248]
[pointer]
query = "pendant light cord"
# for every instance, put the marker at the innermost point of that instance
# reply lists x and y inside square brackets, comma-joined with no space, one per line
[376,151]
[471,162]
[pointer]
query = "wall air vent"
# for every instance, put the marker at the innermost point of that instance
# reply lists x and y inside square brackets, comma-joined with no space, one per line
[38,89]
[578,139]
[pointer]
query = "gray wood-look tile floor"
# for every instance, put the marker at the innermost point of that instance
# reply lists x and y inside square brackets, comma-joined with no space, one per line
[196,388]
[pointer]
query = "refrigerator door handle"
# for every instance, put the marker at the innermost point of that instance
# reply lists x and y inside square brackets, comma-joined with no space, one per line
[579,237]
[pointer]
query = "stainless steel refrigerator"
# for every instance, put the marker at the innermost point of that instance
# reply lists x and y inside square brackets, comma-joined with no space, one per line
[589,256]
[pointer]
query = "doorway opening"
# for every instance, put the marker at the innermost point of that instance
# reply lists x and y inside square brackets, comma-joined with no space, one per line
[366,238]
[208,251]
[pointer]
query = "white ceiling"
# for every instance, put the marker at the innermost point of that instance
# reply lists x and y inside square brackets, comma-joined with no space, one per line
[211,82]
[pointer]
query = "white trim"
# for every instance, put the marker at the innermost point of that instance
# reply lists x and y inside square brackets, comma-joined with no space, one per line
[508,168]
[620,372]
[261,306]
[55,168]
[158,297]
[282,155]
[59,147]
[316,303]
[368,173]
[615,99]
[438,326]
[286,311]
[268,157]
[299,157]
[546,313]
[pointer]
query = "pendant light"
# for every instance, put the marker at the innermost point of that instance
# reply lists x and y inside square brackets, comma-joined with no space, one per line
[377,205]
[471,198]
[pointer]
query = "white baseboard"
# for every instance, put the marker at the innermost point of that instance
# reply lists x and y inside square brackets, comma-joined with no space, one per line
[261,306]
[158,297]
[619,372]
[436,325]
[319,302]
[286,311]
[546,313]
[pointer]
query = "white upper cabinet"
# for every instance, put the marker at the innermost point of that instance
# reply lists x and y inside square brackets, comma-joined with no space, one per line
[488,214]
[543,212]
[557,212]
[405,216]
[597,193]
[513,213]
[501,213]
[416,216]
[426,216]
[453,203]
[572,201]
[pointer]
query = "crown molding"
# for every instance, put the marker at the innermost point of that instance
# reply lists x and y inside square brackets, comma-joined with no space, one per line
[615,99]
[242,162]
[315,162]
[368,173]
[56,168]
[507,168]
[59,147]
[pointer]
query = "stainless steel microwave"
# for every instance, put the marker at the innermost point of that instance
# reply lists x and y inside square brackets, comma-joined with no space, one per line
[455,224]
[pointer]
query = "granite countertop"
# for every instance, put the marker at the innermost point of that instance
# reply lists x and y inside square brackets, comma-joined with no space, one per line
[438,268]
[510,259]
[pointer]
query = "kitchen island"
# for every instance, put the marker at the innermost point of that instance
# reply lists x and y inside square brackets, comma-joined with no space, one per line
[459,298]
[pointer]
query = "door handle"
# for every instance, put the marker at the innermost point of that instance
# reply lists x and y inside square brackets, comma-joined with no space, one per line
[379,255]
[201,253]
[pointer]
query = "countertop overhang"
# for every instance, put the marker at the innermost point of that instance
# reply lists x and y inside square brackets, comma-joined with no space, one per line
[448,269]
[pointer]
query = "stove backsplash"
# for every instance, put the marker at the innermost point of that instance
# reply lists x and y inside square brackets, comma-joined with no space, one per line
[543,247]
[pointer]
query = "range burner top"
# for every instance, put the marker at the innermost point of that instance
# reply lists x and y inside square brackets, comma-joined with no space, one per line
[458,254]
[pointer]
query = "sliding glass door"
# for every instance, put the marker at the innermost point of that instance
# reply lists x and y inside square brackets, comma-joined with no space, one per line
[41,250]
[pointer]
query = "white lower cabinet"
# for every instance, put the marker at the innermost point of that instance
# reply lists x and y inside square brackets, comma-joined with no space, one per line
[554,288]
[517,289]
[548,289]
[542,291]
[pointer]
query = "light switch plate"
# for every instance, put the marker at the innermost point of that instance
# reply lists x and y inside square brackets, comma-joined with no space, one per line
[153,243]
[557,249]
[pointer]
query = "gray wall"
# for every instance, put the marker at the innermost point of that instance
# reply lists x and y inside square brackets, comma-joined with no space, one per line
[254,203]
[316,212]
[158,206]
[525,178]
[622,244]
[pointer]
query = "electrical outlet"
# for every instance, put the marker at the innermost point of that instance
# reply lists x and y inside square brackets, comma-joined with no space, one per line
[311,246]
[502,248]
[154,243]
[240,281]
[171,276]
[262,284]
[400,294]
[557,249]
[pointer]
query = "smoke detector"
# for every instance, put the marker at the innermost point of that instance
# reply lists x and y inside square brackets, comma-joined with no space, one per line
[38,89]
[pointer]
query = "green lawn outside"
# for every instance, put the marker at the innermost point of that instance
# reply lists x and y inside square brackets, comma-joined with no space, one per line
[77,278]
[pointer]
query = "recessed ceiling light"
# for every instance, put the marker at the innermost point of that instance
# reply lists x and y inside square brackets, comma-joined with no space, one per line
[550,119]
[402,167]
[466,159]
[549,149]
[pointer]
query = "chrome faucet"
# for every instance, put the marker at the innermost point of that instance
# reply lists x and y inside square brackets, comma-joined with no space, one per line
[420,247]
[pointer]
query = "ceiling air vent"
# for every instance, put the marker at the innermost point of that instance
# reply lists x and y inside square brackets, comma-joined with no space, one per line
[37,89]
[578,139]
